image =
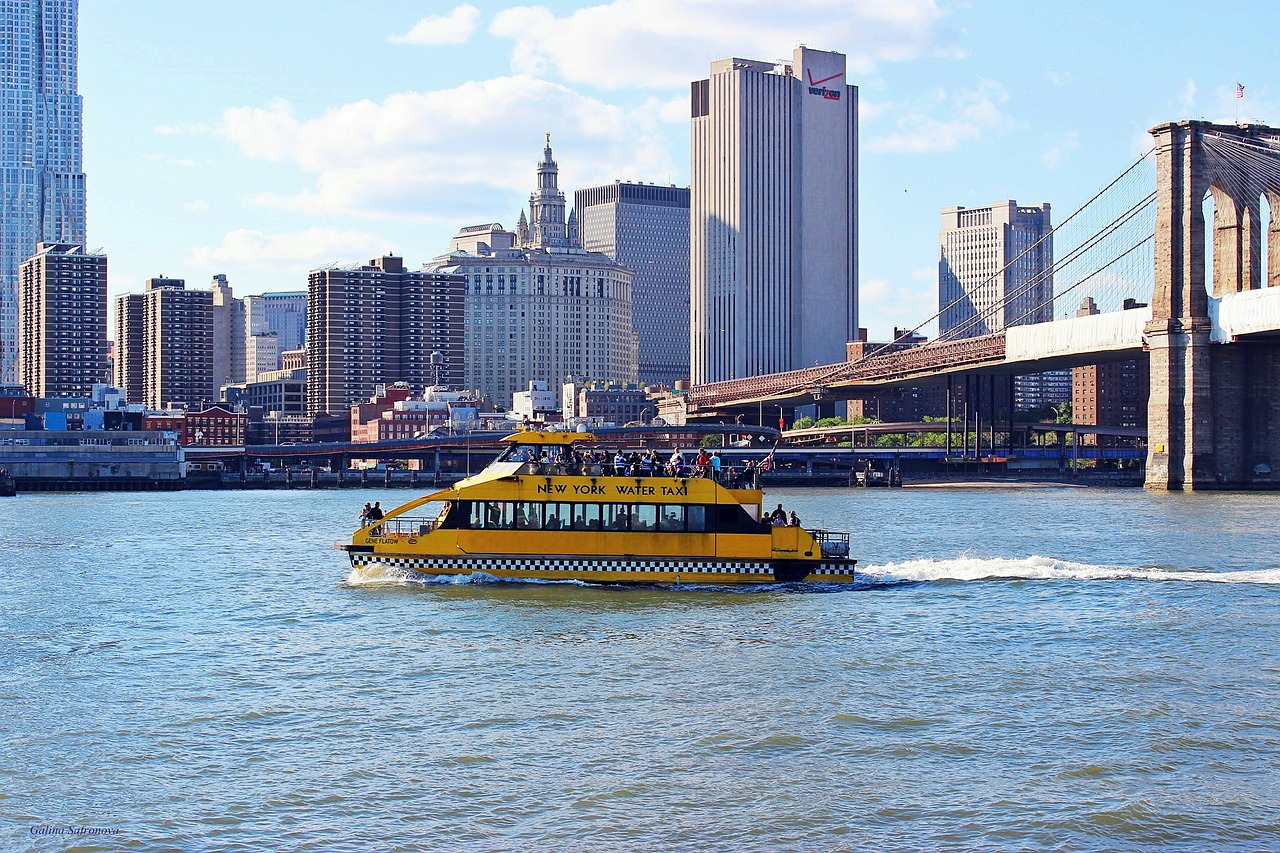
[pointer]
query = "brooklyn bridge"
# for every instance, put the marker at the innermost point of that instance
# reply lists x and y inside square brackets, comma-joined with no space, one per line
[1194,295]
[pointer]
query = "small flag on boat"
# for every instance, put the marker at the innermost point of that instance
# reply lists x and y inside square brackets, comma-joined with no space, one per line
[1239,90]
[766,464]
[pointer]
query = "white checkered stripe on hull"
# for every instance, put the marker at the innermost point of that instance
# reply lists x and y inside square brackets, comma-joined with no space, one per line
[466,565]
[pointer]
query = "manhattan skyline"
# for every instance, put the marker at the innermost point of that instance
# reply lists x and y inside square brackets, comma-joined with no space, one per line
[260,152]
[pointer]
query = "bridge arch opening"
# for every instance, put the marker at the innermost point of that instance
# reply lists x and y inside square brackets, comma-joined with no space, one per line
[1271,257]
[1237,221]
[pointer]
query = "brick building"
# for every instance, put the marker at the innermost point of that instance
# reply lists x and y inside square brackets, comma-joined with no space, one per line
[217,427]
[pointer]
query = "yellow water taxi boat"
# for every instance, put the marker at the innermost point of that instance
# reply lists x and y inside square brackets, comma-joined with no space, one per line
[539,513]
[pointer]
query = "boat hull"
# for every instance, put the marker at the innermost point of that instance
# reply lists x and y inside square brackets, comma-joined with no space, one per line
[640,570]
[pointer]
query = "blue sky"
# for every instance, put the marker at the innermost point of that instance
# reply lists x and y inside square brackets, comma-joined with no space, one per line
[262,139]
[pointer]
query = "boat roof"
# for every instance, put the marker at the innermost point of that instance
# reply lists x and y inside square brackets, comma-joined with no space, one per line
[534,436]
[542,437]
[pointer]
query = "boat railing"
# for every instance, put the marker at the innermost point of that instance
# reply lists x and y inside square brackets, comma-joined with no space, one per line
[404,526]
[834,543]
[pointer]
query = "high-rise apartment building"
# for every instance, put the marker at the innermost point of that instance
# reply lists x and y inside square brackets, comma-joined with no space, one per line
[538,308]
[177,329]
[376,324]
[165,345]
[995,270]
[42,185]
[646,228]
[1114,393]
[62,321]
[131,360]
[773,215]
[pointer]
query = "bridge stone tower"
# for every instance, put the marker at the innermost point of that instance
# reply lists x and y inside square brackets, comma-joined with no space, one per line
[1214,412]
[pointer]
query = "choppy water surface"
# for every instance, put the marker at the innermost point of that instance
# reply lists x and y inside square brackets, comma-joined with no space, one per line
[1021,669]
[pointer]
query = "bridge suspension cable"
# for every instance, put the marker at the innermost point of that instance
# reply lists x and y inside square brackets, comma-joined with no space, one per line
[1247,166]
[1105,243]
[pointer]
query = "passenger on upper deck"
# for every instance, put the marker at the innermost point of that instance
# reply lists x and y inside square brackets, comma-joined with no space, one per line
[646,465]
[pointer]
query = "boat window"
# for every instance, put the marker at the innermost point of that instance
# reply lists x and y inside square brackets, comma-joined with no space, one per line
[644,517]
[586,517]
[671,518]
[616,516]
[733,518]
[697,519]
[497,515]
[558,516]
[529,516]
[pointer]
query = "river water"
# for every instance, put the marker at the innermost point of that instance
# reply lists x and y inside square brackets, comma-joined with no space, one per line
[1062,669]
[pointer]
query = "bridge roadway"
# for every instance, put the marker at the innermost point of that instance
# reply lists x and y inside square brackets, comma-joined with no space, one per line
[1018,350]
[1023,431]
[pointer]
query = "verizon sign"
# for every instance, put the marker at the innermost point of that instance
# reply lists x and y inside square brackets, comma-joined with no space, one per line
[816,87]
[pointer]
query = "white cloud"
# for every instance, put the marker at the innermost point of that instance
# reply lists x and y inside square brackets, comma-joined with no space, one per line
[664,43]
[454,28]
[300,250]
[884,304]
[1189,95]
[1055,154]
[447,156]
[196,206]
[966,116]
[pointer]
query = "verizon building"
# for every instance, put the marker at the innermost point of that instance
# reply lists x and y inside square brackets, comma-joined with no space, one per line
[773,216]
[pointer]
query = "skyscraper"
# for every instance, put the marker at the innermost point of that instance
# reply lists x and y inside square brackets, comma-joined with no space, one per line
[995,270]
[646,227]
[62,321]
[42,194]
[773,216]
[539,308]
[228,319]
[283,313]
[378,323]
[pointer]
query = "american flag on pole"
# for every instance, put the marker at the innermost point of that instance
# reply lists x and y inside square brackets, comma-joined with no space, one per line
[1239,90]
[766,464]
